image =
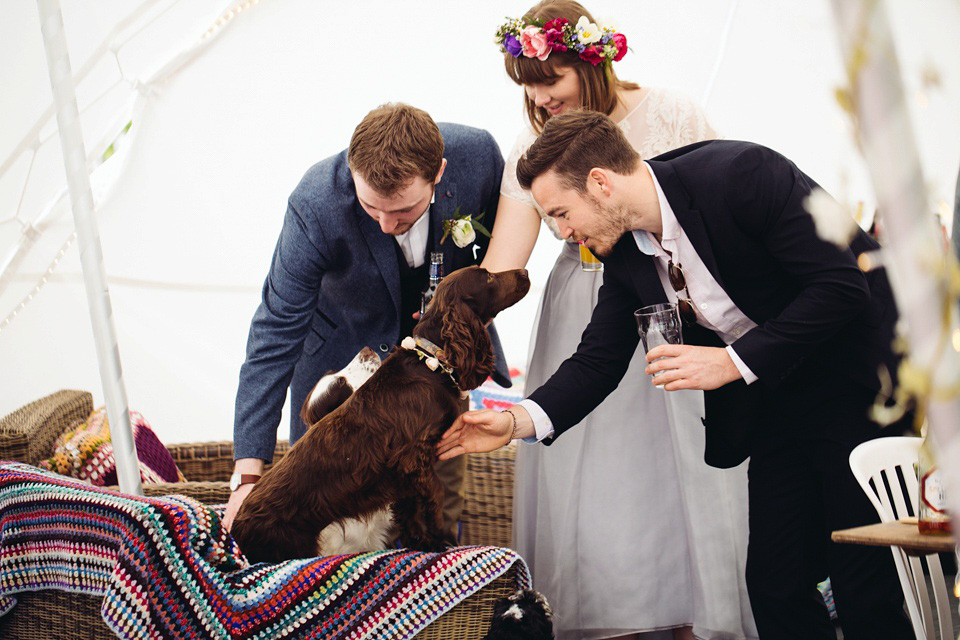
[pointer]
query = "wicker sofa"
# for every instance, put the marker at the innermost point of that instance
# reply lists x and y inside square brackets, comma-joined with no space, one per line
[28,434]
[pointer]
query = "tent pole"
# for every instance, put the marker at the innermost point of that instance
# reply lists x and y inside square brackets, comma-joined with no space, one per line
[91,253]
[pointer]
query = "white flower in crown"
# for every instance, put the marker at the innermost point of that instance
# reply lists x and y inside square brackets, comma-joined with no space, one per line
[608,25]
[409,343]
[833,222]
[589,32]
[432,363]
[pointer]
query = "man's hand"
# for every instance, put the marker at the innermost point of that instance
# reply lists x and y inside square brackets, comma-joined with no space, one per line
[233,504]
[685,366]
[252,466]
[477,432]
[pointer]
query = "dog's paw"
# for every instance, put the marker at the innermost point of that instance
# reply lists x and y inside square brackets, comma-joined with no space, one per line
[433,543]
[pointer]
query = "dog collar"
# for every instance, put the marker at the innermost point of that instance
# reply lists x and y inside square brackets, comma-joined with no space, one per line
[432,356]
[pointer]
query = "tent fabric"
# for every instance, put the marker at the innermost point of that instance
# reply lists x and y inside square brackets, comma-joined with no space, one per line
[200,116]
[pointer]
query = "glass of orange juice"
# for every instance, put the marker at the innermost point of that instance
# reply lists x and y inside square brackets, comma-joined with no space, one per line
[588,261]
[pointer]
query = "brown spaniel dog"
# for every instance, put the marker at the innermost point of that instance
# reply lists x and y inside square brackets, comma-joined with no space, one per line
[378,448]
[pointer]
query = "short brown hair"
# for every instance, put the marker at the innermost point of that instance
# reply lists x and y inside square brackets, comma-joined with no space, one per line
[394,144]
[599,85]
[574,143]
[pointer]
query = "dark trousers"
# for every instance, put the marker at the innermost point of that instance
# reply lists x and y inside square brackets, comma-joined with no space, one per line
[800,490]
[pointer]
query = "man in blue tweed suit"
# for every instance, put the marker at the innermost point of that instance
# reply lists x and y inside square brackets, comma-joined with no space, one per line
[349,269]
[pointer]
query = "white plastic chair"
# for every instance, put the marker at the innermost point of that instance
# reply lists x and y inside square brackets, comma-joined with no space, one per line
[876,462]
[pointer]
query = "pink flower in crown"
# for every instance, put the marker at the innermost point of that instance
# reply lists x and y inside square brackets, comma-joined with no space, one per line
[557,24]
[620,41]
[592,54]
[554,31]
[534,42]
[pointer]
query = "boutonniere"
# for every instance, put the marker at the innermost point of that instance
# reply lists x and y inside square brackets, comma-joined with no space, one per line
[463,228]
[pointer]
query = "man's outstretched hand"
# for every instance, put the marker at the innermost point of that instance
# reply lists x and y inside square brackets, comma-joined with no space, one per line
[477,432]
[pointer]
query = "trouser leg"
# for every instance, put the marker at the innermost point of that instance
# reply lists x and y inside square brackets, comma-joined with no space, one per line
[451,474]
[866,589]
[784,558]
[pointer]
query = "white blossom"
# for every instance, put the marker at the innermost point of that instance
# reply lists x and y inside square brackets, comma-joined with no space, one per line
[463,233]
[832,221]
[588,31]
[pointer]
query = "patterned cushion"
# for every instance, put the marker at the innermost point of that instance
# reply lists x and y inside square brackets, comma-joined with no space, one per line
[86,453]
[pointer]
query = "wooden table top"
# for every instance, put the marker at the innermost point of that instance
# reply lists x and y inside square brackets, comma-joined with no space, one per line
[903,534]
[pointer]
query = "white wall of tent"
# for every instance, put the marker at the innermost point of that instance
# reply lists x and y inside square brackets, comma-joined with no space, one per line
[228,102]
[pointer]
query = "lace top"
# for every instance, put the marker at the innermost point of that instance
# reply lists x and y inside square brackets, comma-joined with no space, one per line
[661,121]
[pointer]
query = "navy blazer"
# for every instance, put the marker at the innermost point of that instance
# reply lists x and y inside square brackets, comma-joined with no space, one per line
[821,320]
[334,283]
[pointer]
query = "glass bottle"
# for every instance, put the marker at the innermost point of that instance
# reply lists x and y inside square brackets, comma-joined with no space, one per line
[932,516]
[436,275]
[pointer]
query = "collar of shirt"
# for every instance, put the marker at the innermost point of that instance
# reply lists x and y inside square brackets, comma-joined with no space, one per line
[715,309]
[645,240]
[413,243]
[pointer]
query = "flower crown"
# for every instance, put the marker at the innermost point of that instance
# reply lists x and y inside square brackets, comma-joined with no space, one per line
[534,39]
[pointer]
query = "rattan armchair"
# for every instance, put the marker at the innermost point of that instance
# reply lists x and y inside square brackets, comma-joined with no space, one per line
[28,434]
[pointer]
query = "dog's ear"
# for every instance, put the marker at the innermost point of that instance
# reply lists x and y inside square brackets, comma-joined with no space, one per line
[322,402]
[466,345]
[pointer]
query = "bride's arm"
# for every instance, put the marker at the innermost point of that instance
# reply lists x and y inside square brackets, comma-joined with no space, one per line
[514,235]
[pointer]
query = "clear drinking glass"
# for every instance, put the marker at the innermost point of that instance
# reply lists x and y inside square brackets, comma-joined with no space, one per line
[588,261]
[659,324]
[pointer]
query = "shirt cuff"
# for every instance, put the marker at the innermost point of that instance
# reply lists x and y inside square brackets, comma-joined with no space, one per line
[541,421]
[748,376]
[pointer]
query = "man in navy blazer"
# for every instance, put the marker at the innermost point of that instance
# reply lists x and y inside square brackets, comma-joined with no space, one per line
[786,335]
[350,266]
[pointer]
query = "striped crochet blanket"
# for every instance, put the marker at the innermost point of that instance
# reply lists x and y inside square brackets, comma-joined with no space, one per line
[167,569]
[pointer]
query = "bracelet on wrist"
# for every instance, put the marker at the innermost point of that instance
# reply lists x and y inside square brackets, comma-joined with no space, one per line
[514,416]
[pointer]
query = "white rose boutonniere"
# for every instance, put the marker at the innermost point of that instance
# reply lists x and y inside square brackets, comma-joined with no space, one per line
[463,228]
[463,233]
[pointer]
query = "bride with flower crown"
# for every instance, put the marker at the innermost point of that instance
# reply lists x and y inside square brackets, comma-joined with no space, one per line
[626,530]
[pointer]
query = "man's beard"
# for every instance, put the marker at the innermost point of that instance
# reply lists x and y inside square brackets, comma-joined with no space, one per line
[613,222]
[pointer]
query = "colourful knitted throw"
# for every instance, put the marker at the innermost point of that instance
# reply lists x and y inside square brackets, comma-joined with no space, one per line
[167,569]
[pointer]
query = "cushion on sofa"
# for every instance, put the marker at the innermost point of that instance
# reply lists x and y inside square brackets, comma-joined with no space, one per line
[85,452]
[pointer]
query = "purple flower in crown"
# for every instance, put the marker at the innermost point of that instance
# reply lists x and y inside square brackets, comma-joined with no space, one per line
[512,45]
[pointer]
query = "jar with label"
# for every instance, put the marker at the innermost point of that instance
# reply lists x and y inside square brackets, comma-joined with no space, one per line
[932,516]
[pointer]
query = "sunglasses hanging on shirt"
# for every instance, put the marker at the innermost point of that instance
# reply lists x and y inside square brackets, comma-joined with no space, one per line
[679,283]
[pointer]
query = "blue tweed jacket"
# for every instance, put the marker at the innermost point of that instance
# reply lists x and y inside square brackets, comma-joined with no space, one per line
[334,283]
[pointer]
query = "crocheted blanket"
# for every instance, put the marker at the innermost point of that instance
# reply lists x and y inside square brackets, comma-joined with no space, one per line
[167,569]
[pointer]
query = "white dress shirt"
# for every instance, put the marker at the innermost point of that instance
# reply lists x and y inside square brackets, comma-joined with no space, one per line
[413,243]
[715,310]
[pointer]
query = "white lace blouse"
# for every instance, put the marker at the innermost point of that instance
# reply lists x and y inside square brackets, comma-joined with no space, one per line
[661,121]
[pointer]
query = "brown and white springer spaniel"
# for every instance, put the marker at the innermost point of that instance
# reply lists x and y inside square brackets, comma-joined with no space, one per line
[377,449]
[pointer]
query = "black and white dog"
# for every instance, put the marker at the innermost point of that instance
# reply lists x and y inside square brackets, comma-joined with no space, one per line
[335,387]
[332,390]
[525,615]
